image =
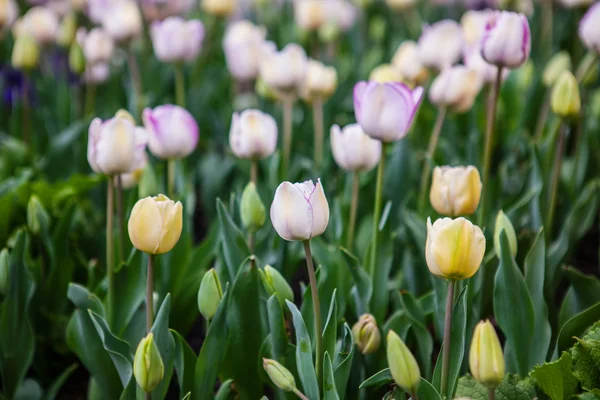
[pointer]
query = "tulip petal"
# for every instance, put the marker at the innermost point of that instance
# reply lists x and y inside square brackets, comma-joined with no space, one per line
[172,226]
[145,226]
[320,210]
[291,214]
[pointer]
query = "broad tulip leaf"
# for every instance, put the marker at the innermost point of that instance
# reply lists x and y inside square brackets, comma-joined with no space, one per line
[426,391]
[130,284]
[424,339]
[329,388]
[576,326]
[278,334]
[185,364]
[556,378]
[381,278]
[382,377]
[58,383]
[343,361]
[233,242]
[583,293]
[362,282]
[225,390]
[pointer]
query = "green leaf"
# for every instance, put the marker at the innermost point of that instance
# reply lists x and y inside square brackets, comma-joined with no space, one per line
[166,346]
[575,326]
[330,330]
[513,308]
[233,242]
[343,361]
[362,282]
[58,383]
[583,293]
[511,388]
[130,284]
[426,391]
[586,355]
[424,339]
[185,363]
[382,377]
[304,357]
[556,378]
[278,334]
[225,391]
[381,294]
[329,389]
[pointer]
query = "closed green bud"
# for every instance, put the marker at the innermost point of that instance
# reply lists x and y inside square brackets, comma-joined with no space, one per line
[76,59]
[402,363]
[366,334]
[276,284]
[486,360]
[37,216]
[588,69]
[329,32]
[3,271]
[26,52]
[252,209]
[67,30]
[560,62]
[209,294]
[279,375]
[503,224]
[148,367]
[566,101]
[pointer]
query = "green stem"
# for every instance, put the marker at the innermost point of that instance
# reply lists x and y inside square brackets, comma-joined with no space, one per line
[414,396]
[547,27]
[319,134]
[316,309]
[299,394]
[288,107]
[377,212]
[491,394]
[150,294]
[582,72]
[433,141]
[26,113]
[136,82]
[109,251]
[554,182]
[179,85]
[254,171]
[447,335]
[353,208]
[120,218]
[90,98]
[543,117]
[489,140]
[171,178]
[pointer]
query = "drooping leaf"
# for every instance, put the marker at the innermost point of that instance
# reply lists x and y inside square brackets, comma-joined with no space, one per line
[382,377]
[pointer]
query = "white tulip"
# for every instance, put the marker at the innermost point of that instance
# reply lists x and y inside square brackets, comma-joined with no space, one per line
[123,20]
[284,70]
[253,134]
[456,87]
[353,149]
[441,44]
[39,22]
[176,40]
[244,46]
[97,45]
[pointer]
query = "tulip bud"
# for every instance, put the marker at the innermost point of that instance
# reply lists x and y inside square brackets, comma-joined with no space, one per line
[97,45]
[172,130]
[219,8]
[177,40]
[486,360]
[279,375]
[507,40]
[39,22]
[276,284]
[402,363]
[9,12]
[320,81]
[503,223]
[385,111]
[244,45]
[385,73]
[454,249]
[148,367]
[253,134]
[589,29]
[209,294]
[26,53]
[455,190]
[310,15]
[155,224]
[284,70]
[560,62]
[300,211]
[252,209]
[66,30]
[456,87]
[122,20]
[37,216]
[441,44]
[4,272]
[76,59]
[353,149]
[565,100]
[407,62]
[366,334]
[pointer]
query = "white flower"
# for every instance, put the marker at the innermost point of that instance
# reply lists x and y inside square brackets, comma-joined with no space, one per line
[253,134]
[353,149]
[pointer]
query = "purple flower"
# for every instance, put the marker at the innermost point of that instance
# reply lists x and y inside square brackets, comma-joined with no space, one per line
[173,132]
[385,111]
[507,40]
[589,28]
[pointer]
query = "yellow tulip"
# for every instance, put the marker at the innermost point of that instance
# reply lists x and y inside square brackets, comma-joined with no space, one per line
[454,248]
[155,224]
[455,190]
[566,100]
[385,73]
[486,360]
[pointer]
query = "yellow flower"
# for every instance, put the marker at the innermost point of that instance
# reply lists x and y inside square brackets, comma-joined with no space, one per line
[385,73]
[155,224]
[455,190]
[454,248]
[566,101]
[486,360]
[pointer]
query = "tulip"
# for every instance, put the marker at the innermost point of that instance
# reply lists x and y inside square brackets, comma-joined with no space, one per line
[115,146]
[507,40]
[219,8]
[176,40]
[473,23]
[97,45]
[244,46]
[148,367]
[589,29]
[9,12]
[158,10]
[284,70]
[66,30]
[565,100]
[402,363]
[455,190]
[131,179]
[279,375]
[385,73]
[575,3]
[503,224]
[487,72]
[400,5]
[96,73]
[454,248]
[320,81]
[456,87]
[209,294]
[253,134]
[353,150]
[366,334]
[155,224]
[173,132]
[386,111]
[76,59]
[310,15]
[299,211]
[122,20]
[406,61]
[26,53]
[39,22]
[441,44]
[38,220]
[486,360]
[252,209]
[276,284]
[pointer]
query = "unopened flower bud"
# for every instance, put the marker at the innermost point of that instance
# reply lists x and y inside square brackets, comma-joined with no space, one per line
[366,334]
[565,100]
[503,223]
[26,53]
[560,62]
[37,216]
[402,363]
[209,294]
[148,367]
[320,81]
[76,59]
[486,360]
[441,44]
[276,284]
[407,62]
[3,271]
[9,12]
[66,30]
[279,375]
[252,209]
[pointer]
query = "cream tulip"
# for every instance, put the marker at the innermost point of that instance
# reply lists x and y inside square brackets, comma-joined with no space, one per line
[219,8]
[299,211]
[441,44]
[486,360]
[9,12]
[39,22]
[310,15]
[253,134]
[456,87]
[385,73]
[353,149]
[172,131]
[455,190]
[454,249]
[406,61]
[473,23]
[98,46]
[123,21]
[244,46]
[155,224]
[284,70]
[320,81]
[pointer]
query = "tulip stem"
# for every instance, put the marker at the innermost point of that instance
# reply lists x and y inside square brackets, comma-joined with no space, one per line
[288,107]
[543,117]
[546,30]
[447,335]
[299,394]
[433,141]
[120,217]
[582,72]
[316,308]
[254,171]
[555,180]
[377,212]
[179,85]
[136,81]
[90,97]
[414,396]
[489,140]
[353,208]
[171,178]
[109,251]
[491,394]
[26,113]
[319,134]
[150,293]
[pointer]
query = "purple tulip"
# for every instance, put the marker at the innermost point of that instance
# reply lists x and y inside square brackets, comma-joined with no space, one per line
[173,132]
[385,111]
[589,28]
[507,40]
